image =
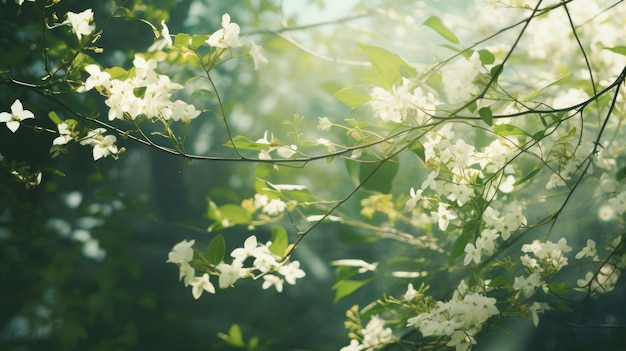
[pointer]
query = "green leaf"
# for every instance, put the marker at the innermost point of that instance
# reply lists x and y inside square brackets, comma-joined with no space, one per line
[486,57]
[55,118]
[280,241]
[530,174]
[202,91]
[345,272]
[618,50]
[435,24]
[558,288]
[418,149]
[459,247]
[486,115]
[509,129]
[198,40]
[235,214]
[53,171]
[495,72]
[344,288]
[181,40]
[243,143]
[216,250]
[389,67]
[117,73]
[621,174]
[352,96]
[378,179]
[234,336]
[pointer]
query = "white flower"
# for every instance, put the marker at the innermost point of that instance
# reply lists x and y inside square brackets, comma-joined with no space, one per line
[200,284]
[248,249]
[256,52]
[260,200]
[164,40]
[66,134]
[103,145]
[182,252]
[286,151]
[410,293]
[291,272]
[226,37]
[272,280]
[444,215]
[17,115]
[619,203]
[80,22]
[415,197]
[230,273]
[588,251]
[363,266]
[186,272]
[274,207]
[324,124]
[375,334]
[472,253]
[97,78]
[527,286]
[536,308]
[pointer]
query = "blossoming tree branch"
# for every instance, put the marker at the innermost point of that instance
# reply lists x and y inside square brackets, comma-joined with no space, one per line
[479,150]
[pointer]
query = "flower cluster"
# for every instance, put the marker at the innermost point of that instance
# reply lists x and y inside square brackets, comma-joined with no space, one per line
[403,103]
[274,270]
[374,336]
[548,258]
[154,101]
[459,319]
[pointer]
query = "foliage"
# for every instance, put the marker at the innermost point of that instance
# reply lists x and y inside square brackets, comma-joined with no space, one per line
[487,156]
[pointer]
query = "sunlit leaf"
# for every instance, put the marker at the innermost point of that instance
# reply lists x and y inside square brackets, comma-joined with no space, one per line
[344,288]
[216,249]
[235,214]
[435,24]
[181,40]
[117,73]
[486,57]
[509,129]
[198,40]
[243,143]
[353,96]
[55,118]
[618,50]
[389,67]
[280,240]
